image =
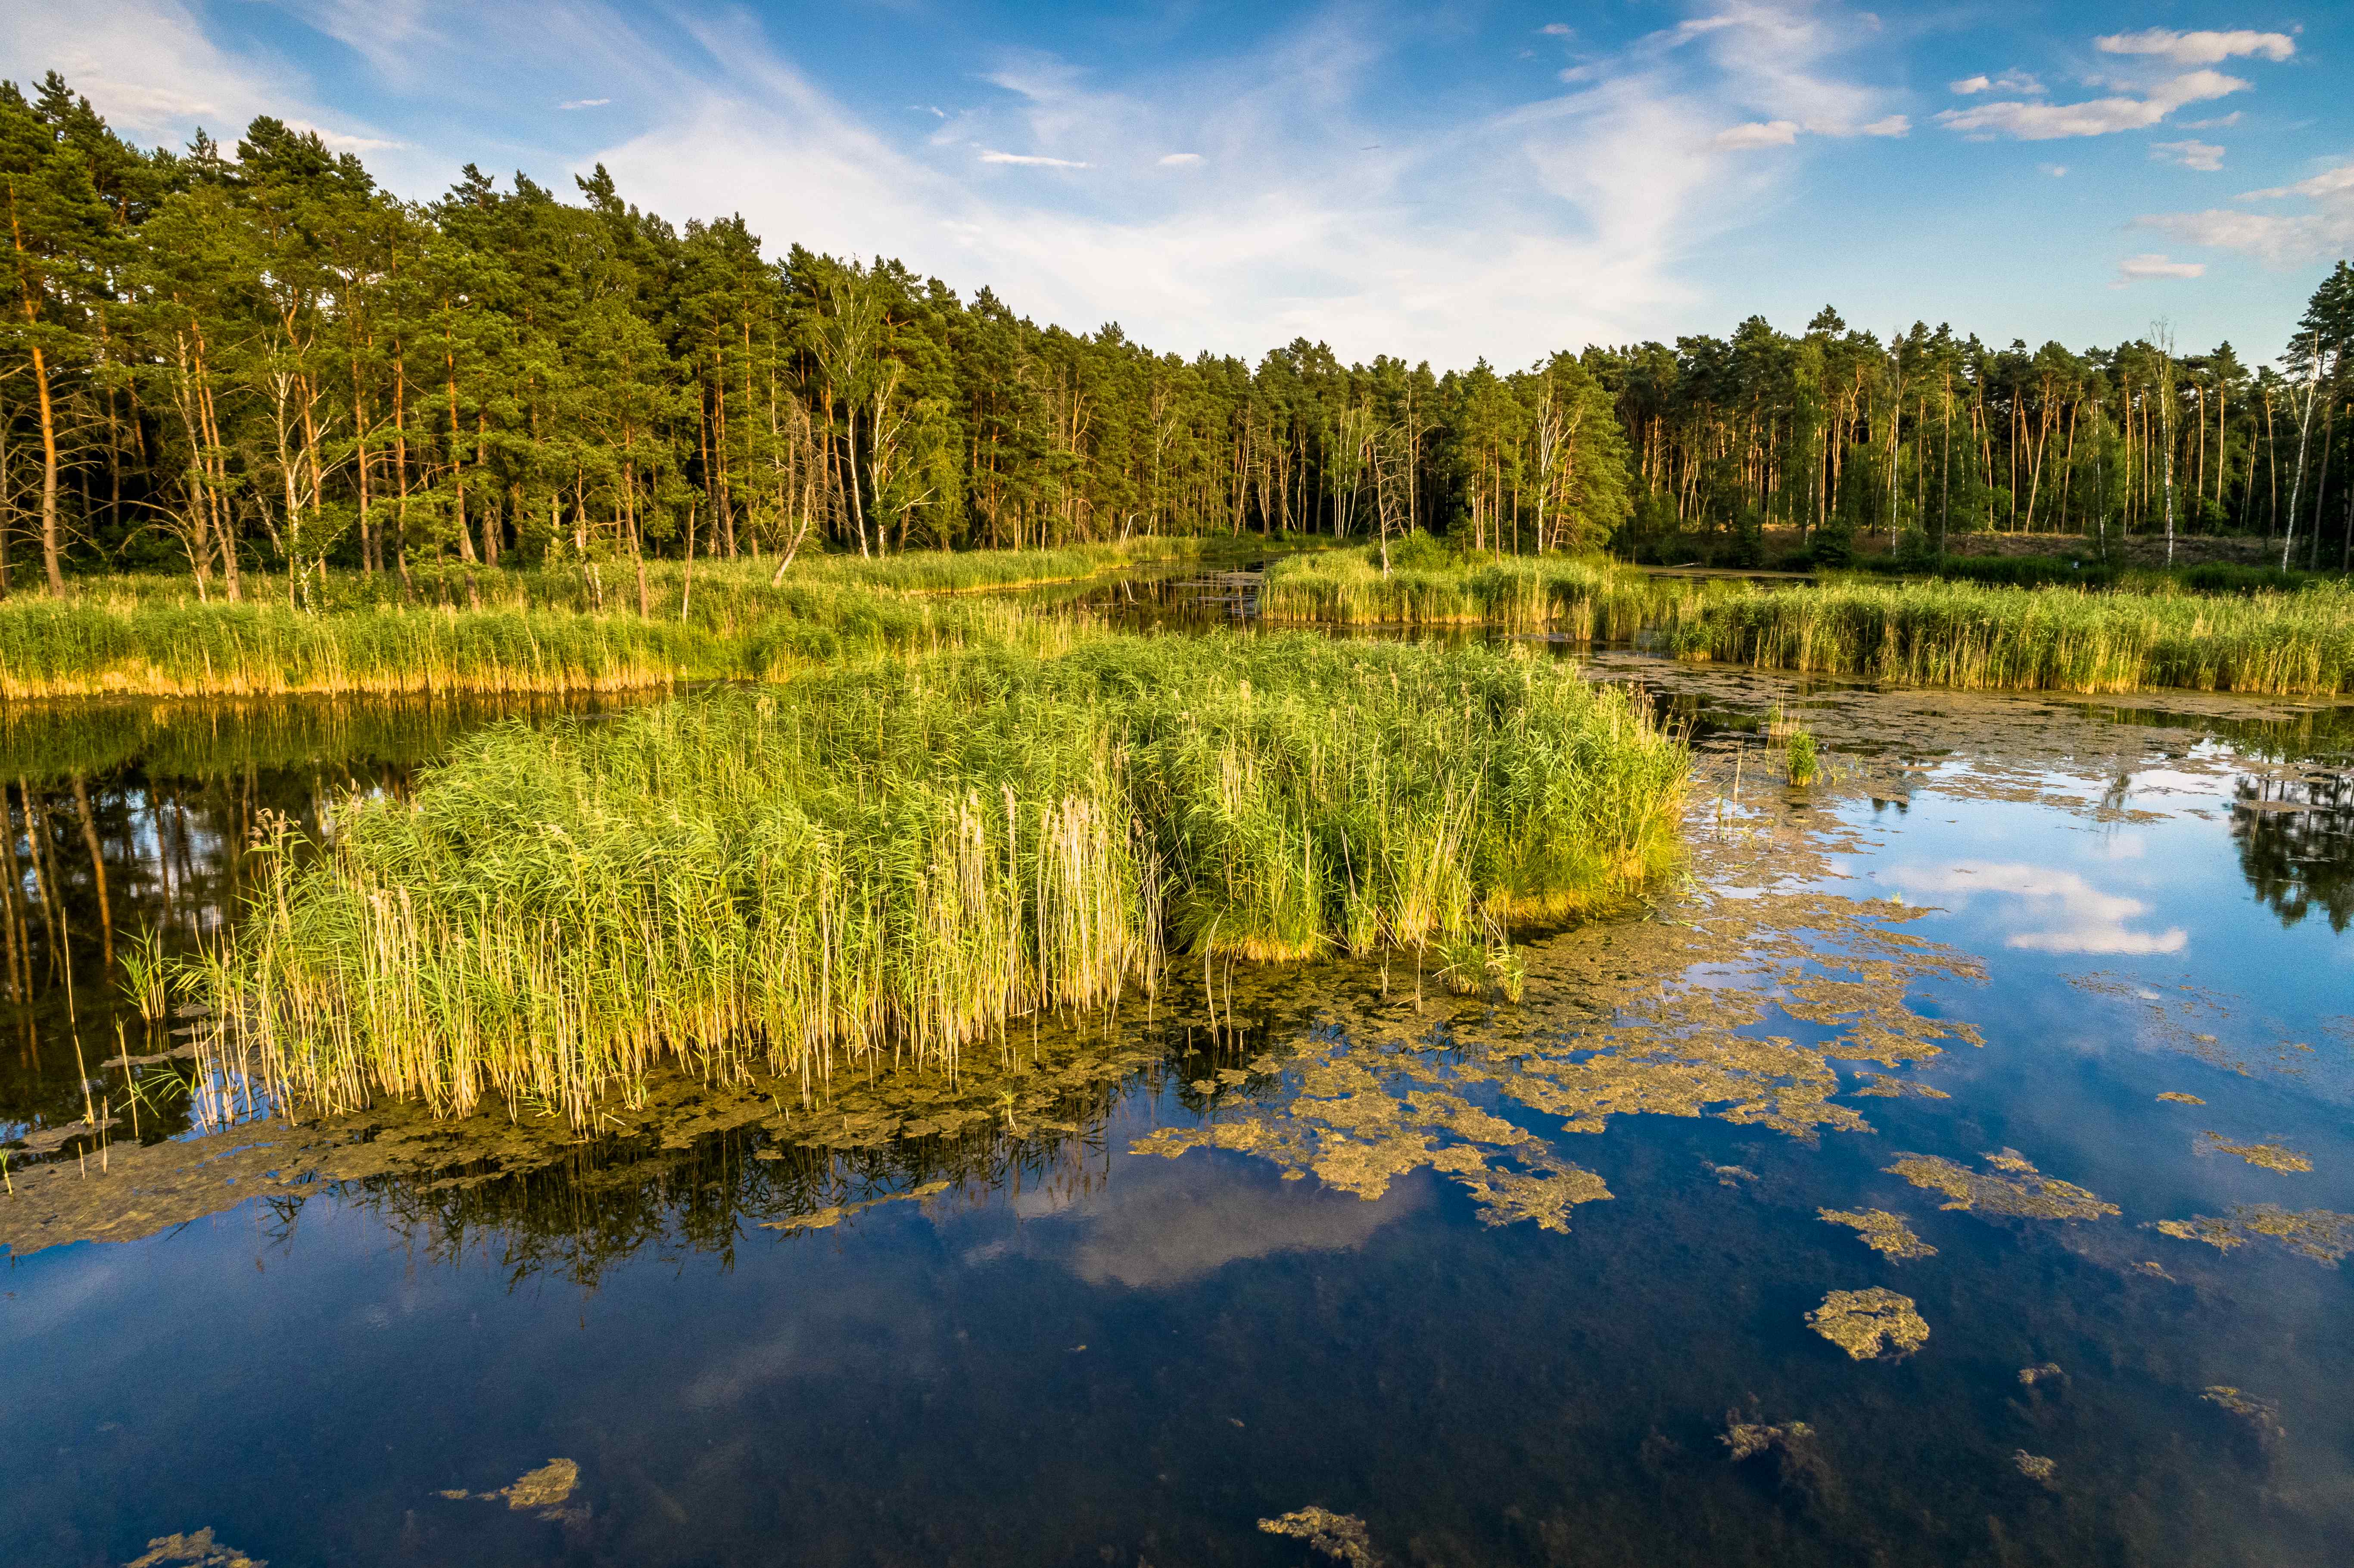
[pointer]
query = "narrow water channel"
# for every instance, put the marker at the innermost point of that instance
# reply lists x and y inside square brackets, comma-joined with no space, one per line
[2048,1004]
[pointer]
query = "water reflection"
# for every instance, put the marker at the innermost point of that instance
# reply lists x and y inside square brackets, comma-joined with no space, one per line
[2295,839]
[1435,1279]
[128,833]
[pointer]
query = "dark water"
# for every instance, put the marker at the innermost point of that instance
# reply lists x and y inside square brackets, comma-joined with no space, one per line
[1005,1336]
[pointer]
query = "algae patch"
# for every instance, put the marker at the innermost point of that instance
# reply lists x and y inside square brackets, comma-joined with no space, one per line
[1342,1537]
[2035,1467]
[197,1551]
[2263,1414]
[2271,1156]
[1746,1439]
[2179,1097]
[2026,1193]
[2320,1234]
[1881,1231]
[1862,1321]
[544,1491]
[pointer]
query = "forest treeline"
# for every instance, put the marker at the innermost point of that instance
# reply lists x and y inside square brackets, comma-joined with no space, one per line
[220,360]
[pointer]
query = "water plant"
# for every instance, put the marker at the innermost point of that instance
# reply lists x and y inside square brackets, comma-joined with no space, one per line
[555,629]
[892,861]
[1964,635]
[1803,757]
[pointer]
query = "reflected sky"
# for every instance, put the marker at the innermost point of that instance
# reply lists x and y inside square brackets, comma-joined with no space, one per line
[1014,1337]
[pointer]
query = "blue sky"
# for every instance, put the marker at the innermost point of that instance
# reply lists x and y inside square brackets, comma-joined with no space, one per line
[1441,181]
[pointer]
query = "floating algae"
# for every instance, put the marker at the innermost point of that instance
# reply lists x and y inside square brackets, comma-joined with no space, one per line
[2030,1376]
[2263,1414]
[2318,1234]
[2035,1467]
[2271,1156]
[2027,1193]
[2179,1097]
[197,1551]
[544,1489]
[1860,1321]
[1882,1232]
[1747,1438]
[1342,1537]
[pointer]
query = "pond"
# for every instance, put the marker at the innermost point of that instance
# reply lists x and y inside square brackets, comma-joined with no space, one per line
[1952,1165]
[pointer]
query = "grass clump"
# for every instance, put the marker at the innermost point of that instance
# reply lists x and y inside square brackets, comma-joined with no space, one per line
[895,860]
[1954,634]
[1584,597]
[552,629]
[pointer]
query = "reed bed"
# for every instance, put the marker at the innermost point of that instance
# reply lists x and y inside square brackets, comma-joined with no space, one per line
[1580,597]
[550,631]
[1984,637]
[81,647]
[896,860]
[1954,634]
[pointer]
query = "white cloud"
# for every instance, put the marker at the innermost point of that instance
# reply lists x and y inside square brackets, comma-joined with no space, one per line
[2198,48]
[1767,134]
[2329,184]
[2219,122]
[1178,160]
[2057,171]
[2068,913]
[586,103]
[2134,269]
[2204,156]
[343,141]
[1557,30]
[1031,160]
[2325,231]
[2094,117]
[2009,82]
[1894,125]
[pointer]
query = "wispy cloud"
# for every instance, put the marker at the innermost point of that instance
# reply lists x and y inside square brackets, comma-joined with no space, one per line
[1178,160]
[344,142]
[585,103]
[2198,48]
[2065,914]
[1764,133]
[2009,82]
[2094,117]
[1032,160]
[2135,268]
[2325,230]
[2204,156]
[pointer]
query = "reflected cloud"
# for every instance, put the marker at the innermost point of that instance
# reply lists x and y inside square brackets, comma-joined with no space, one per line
[1159,1228]
[2085,919]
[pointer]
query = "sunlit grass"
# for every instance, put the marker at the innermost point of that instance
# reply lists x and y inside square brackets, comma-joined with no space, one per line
[893,860]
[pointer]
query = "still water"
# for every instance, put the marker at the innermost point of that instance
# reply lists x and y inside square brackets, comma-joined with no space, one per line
[1412,1278]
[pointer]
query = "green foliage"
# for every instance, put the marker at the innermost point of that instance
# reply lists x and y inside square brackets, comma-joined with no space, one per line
[1956,634]
[900,858]
[1803,757]
[550,630]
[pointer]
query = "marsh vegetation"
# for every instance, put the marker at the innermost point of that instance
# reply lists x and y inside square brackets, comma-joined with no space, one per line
[896,860]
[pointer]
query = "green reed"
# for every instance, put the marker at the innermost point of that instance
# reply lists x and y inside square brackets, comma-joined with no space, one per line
[1956,634]
[552,629]
[1582,597]
[894,860]
[2298,642]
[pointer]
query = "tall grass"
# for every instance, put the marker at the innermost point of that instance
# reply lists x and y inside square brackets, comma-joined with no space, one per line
[155,647]
[1584,597]
[2298,642]
[1955,634]
[552,631]
[896,860]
